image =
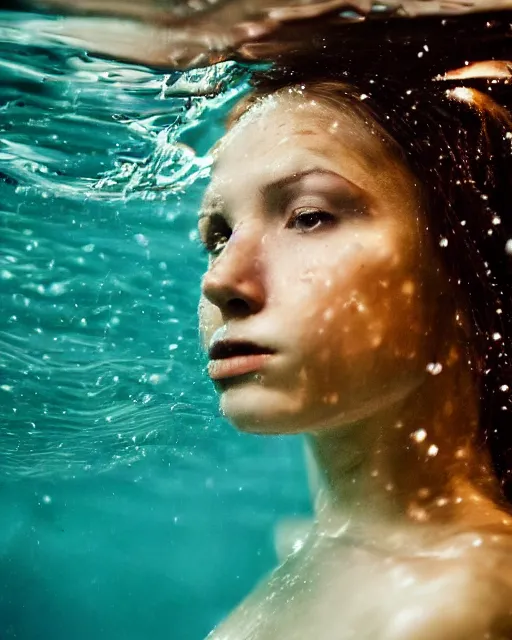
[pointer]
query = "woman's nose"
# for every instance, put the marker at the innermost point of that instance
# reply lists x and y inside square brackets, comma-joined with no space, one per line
[234,282]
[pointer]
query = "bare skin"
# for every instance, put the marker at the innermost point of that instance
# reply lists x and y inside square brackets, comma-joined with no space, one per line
[318,252]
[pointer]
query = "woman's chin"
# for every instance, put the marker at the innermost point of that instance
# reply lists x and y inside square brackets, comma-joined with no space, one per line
[255,409]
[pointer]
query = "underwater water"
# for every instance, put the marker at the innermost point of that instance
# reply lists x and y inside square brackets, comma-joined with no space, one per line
[130,509]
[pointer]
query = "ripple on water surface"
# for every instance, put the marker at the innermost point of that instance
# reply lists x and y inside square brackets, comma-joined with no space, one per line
[102,168]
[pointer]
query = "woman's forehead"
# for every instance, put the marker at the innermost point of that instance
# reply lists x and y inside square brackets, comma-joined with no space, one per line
[292,134]
[278,124]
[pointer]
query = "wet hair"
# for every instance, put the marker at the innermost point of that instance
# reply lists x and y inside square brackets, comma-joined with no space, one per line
[456,136]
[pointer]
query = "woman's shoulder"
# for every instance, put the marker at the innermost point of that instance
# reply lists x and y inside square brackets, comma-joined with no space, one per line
[458,589]
[462,591]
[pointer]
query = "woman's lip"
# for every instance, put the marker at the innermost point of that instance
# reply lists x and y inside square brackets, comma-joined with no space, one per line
[236,365]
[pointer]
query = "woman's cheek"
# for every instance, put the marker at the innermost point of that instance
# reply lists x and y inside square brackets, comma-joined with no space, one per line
[380,319]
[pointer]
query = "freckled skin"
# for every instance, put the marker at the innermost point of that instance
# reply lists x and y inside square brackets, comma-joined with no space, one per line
[408,541]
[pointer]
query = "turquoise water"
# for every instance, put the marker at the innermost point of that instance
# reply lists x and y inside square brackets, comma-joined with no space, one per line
[130,510]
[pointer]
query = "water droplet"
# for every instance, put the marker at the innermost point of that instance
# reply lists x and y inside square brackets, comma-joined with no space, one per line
[57,288]
[443,242]
[419,435]
[433,450]
[141,239]
[328,314]
[434,368]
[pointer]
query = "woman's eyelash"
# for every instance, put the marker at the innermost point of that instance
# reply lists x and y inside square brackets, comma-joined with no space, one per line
[308,219]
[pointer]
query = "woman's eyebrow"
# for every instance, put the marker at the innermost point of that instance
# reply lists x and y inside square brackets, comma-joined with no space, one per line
[213,203]
[294,178]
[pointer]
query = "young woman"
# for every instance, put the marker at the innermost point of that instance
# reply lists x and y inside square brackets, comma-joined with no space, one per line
[358,292]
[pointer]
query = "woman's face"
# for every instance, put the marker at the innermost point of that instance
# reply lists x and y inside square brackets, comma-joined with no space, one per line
[316,261]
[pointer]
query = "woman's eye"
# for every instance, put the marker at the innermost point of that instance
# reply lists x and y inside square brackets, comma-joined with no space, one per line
[215,232]
[217,241]
[310,219]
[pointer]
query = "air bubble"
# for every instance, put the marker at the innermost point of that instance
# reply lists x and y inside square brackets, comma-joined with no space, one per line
[443,242]
[141,239]
[434,368]
[419,435]
[433,450]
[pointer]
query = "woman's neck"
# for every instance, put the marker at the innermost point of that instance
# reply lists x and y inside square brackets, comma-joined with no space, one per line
[407,468]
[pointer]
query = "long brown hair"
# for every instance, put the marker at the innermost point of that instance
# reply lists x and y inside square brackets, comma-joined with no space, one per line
[456,136]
